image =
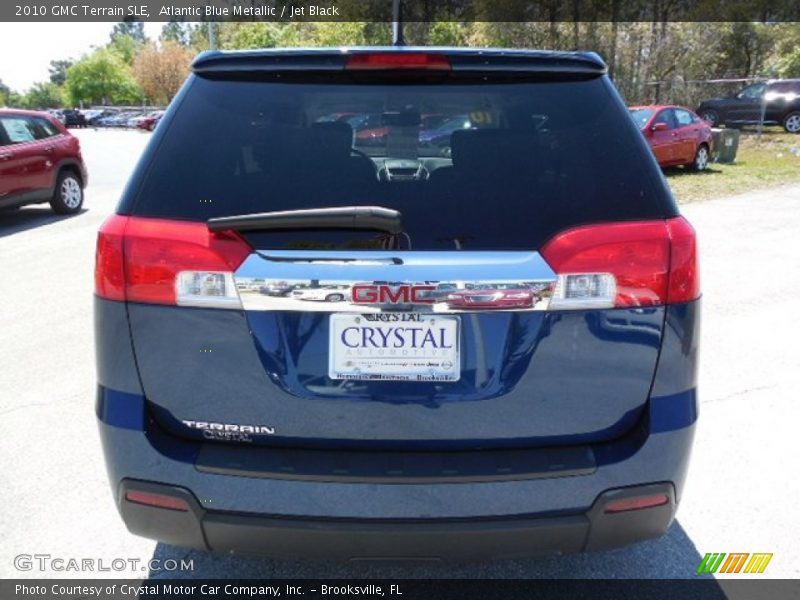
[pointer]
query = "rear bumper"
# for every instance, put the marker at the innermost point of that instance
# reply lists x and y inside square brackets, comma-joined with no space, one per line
[475,519]
[293,537]
[249,507]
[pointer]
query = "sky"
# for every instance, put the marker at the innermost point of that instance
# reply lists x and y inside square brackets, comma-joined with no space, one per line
[26,49]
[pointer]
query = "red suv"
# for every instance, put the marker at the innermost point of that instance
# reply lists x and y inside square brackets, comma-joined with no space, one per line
[40,161]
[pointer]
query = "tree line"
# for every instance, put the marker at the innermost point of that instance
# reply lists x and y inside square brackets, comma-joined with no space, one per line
[650,61]
[129,70]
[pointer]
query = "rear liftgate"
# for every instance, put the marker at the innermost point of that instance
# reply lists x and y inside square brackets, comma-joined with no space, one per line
[395,348]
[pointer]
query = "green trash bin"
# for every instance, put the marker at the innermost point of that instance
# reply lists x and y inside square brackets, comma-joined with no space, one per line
[726,144]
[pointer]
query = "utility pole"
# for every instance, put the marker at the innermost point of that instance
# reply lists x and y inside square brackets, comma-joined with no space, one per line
[212,35]
[397,23]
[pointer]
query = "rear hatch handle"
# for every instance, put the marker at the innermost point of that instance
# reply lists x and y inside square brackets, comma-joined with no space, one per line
[391,260]
[373,218]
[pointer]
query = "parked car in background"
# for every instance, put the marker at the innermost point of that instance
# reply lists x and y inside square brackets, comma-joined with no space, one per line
[325,293]
[439,135]
[778,99]
[107,120]
[40,161]
[156,121]
[119,119]
[676,135]
[99,114]
[136,118]
[491,296]
[57,114]
[90,114]
[74,118]
[378,134]
[276,288]
[149,121]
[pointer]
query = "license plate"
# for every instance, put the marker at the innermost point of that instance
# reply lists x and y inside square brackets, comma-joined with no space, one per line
[396,346]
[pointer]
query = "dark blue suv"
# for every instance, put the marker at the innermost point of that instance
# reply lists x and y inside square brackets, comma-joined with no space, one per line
[480,348]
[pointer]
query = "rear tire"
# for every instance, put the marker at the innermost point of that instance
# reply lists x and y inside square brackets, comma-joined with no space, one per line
[791,122]
[701,159]
[68,195]
[710,116]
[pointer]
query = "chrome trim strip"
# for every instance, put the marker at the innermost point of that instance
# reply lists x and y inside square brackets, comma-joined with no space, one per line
[391,281]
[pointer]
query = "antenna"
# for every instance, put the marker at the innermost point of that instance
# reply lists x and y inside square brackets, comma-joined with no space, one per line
[397,23]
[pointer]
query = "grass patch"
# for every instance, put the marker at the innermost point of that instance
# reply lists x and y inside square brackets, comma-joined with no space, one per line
[772,161]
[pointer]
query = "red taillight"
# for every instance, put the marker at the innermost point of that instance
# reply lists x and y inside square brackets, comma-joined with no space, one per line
[167,262]
[398,60]
[157,500]
[627,504]
[639,263]
[109,268]
[684,275]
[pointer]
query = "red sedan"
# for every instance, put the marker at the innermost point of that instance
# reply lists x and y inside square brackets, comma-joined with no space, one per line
[676,135]
[488,297]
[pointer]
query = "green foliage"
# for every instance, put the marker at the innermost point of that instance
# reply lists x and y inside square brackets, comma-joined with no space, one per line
[649,60]
[175,31]
[132,29]
[126,46]
[5,92]
[198,36]
[337,34]
[281,35]
[745,47]
[101,77]
[58,70]
[789,65]
[9,97]
[44,94]
[787,60]
[251,35]
[448,33]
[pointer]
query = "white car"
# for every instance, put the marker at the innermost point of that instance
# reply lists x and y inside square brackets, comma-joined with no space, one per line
[325,293]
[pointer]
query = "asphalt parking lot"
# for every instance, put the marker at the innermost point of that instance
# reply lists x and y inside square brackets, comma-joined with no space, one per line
[743,482]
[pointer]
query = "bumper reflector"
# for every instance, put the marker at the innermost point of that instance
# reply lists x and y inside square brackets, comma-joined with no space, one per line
[157,500]
[627,504]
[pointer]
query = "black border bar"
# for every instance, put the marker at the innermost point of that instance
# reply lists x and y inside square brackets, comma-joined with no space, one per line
[414,11]
[400,589]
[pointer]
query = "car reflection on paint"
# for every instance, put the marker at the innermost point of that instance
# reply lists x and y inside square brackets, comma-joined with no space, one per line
[440,292]
[276,288]
[493,296]
[325,293]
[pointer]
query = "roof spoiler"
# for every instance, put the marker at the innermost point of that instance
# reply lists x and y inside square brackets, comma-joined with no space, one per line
[462,60]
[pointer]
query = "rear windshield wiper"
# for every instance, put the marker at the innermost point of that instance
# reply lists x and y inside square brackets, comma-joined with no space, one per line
[373,218]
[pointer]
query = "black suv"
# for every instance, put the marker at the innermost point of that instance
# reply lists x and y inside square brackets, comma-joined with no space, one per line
[74,118]
[779,99]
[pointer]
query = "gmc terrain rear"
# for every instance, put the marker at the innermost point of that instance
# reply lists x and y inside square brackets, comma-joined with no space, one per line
[470,333]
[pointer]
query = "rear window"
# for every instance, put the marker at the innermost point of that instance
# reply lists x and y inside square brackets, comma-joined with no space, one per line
[785,87]
[469,166]
[641,116]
